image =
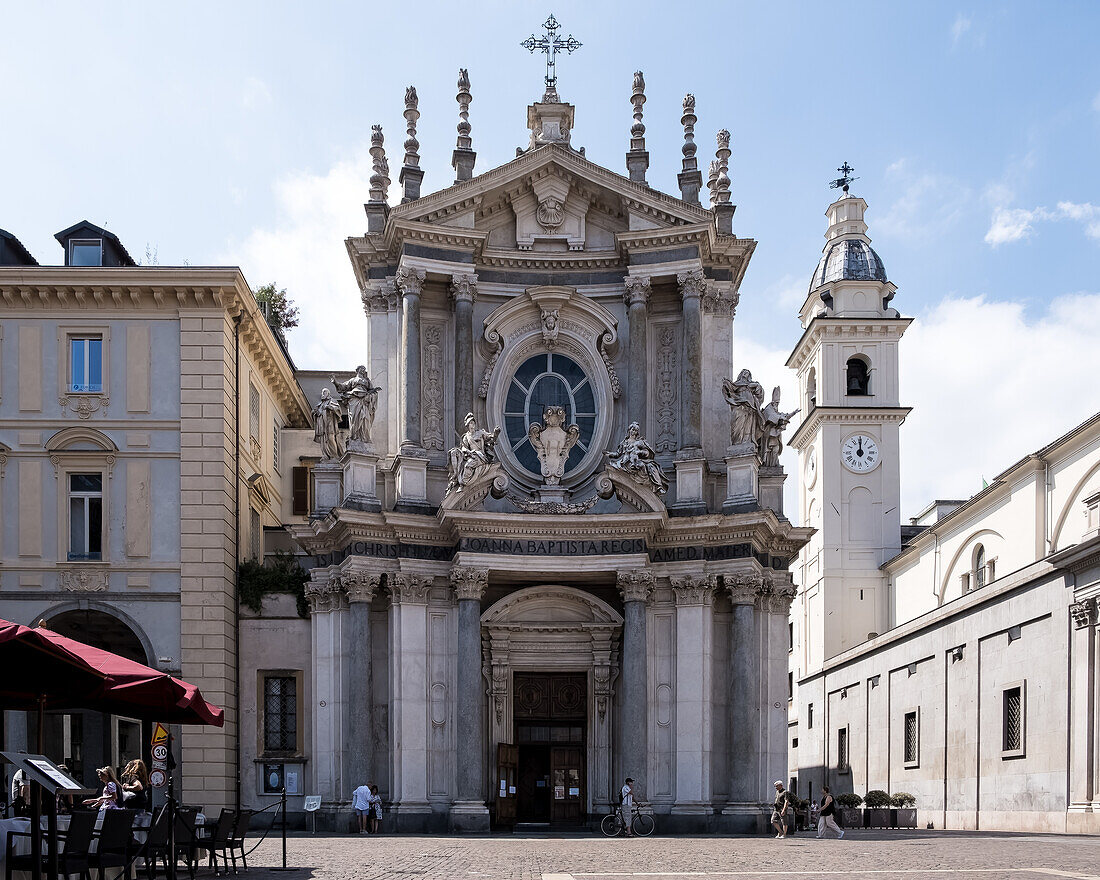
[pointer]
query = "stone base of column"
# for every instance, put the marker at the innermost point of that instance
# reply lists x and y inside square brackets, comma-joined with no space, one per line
[470,817]
[361,478]
[771,489]
[412,482]
[742,479]
[328,478]
[688,817]
[412,816]
[691,472]
[742,818]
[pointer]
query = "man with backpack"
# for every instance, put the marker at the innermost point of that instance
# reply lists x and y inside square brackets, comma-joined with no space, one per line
[780,809]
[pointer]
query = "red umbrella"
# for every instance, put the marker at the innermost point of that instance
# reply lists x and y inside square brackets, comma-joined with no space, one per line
[48,671]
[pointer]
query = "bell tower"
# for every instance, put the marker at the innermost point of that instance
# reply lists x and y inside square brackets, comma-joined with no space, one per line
[849,486]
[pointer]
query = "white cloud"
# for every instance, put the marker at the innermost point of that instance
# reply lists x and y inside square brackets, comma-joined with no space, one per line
[255,94]
[961,25]
[302,249]
[788,292]
[929,204]
[1013,224]
[988,384]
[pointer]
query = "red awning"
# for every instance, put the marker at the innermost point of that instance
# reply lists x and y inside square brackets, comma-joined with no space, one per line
[43,668]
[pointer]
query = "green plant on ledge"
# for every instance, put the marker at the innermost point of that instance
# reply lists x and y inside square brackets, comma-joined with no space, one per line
[903,800]
[848,801]
[282,575]
[877,799]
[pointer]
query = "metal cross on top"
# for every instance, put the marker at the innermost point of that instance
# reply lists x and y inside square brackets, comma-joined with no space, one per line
[845,179]
[551,44]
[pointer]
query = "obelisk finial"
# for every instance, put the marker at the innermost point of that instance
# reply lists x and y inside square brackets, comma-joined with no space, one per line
[462,160]
[637,159]
[712,180]
[690,179]
[720,198]
[411,174]
[379,182]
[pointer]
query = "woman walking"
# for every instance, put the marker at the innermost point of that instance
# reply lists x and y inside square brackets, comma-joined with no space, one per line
[825,818]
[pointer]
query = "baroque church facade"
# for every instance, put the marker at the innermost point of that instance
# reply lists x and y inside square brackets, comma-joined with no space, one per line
[549,549]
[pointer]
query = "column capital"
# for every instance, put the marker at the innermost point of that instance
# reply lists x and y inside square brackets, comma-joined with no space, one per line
[638,289]
[464,287]
[469,583]
[379,297]
[743,587]
[410,280]
[361,586]
[776,593]
[1084,613]
[636,585]
[720,299]
[323,592]
[692,283]
[694,589]
[410,589]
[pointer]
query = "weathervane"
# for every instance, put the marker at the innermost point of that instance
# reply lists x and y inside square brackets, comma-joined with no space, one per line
[845,180]
[551,44]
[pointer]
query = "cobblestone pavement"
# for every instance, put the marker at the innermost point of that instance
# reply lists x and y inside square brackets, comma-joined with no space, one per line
[864,855]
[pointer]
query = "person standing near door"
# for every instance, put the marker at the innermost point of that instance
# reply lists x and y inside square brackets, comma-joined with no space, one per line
[627,798]
[828,809]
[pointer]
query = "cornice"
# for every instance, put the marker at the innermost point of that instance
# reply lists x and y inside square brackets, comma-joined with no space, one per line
[843,328]
[849,415]
[569,261]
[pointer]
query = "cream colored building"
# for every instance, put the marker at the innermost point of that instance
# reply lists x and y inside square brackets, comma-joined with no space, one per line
[130,397]
[952,657]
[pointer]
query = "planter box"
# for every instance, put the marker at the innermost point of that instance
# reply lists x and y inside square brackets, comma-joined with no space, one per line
[849,818]
[878,817]
[904,817]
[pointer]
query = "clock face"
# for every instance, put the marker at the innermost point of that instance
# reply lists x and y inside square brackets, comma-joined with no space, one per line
[811,467]
[860,453]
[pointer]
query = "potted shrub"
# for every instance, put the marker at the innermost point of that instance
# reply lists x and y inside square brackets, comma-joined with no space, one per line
[848,813]
[877,803]
[903,815]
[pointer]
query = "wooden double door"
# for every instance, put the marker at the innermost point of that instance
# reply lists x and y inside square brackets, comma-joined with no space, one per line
[550,714]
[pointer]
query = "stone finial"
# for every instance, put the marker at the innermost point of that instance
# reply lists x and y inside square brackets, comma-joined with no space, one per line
[411,174]
[690,179]
[720,195]
[380,180]
[637,159]
[712,180]
[462,160]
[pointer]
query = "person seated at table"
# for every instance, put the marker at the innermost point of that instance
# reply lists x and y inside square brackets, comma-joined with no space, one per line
[111,796]
[20,794]
[64,801]
[135,786]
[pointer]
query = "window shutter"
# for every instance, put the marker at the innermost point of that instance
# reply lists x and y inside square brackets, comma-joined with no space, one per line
[299,491]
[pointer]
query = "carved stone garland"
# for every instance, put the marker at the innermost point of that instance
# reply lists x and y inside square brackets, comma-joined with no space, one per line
[433,388]
[667,383]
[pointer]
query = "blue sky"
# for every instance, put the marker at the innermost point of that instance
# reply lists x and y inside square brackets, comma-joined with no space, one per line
[237,133]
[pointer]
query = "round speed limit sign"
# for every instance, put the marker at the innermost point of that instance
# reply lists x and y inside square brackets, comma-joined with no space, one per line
[160,753]
[157,779]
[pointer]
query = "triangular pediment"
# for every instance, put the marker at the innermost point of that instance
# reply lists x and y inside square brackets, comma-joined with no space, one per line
[544,191]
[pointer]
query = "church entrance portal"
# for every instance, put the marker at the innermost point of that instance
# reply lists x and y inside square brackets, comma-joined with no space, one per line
[550,725]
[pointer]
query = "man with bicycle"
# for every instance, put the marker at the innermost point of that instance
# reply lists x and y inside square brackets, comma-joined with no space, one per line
[627,798]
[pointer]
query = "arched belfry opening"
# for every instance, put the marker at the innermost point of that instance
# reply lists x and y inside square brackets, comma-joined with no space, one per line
[857,377]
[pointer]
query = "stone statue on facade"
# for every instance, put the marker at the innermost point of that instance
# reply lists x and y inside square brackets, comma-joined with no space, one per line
[745,398]
[476,449]
[636,457]
[552,443]
[361,399]
[774,423]
[326,426]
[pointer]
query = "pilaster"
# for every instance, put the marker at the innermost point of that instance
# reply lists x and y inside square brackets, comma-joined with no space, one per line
[329,632]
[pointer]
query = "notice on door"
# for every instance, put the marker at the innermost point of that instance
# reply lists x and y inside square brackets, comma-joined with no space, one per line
[559,792]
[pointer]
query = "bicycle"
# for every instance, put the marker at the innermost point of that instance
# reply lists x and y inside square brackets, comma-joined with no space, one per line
[614,824]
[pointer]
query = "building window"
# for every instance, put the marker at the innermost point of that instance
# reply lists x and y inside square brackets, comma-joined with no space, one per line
[253,412]
[86,252]
[86,364]
[857,378]
[810,717]
[811,388]
[256,535]
[979,567]
[275,446]
[299,491]
[790,686]
[842,750]
[794,742]
[1013,720]
[790,638]
[280,713]
[912,738]
[85,516]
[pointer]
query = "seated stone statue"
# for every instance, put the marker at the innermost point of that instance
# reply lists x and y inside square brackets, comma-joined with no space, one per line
[636,457]
[476,449]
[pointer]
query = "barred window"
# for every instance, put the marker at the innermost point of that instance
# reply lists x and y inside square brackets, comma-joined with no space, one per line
[1013,720]
[280,713]
[912,738]
[253,412]
[275,446]
[842,750]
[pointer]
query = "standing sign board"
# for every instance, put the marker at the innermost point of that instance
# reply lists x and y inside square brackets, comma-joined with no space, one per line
[158,775]
[45,772]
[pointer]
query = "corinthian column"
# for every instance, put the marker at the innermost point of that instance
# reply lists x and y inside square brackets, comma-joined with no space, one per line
[464,291]
[410,282]
[470,812]
[692,286]
[636,587]
[361,587]
[637,295]
[744,728]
